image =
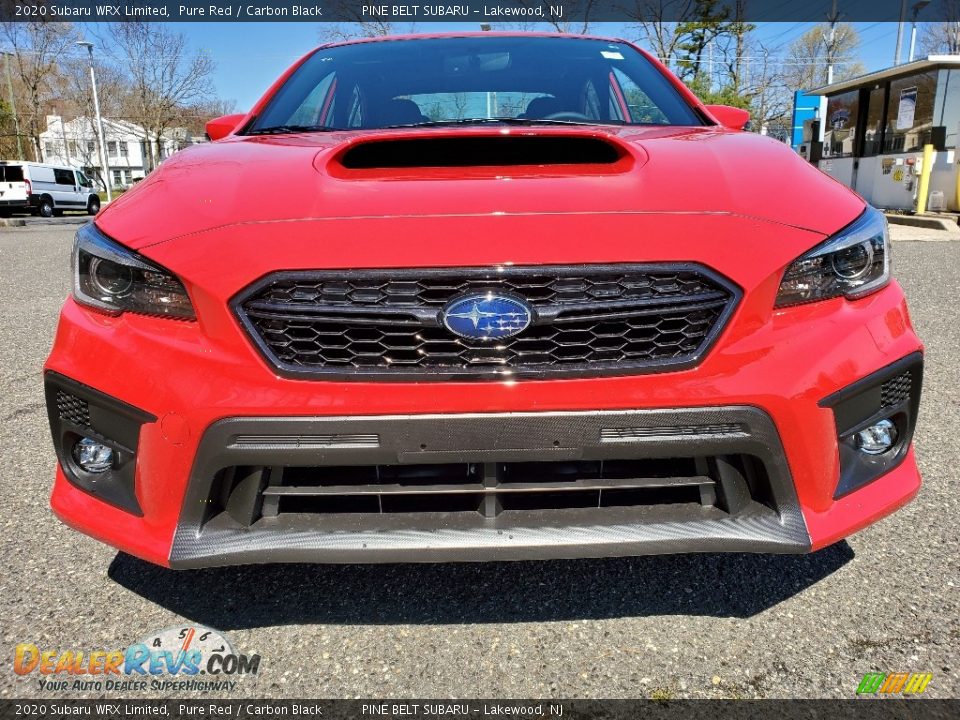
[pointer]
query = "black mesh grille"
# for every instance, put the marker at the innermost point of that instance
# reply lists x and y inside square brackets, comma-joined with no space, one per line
[586,319]
[541,287]
[73,409]
[895,391]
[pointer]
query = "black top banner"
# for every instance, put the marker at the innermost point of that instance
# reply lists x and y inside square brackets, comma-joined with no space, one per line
[420,709]
[558,13]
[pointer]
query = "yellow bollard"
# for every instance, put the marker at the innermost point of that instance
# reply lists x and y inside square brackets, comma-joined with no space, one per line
[925,171]
[956,169]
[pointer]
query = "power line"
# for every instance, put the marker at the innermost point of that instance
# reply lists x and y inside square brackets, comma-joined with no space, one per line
[796,26]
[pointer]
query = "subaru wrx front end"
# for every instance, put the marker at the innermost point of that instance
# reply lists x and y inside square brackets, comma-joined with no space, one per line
[481,298]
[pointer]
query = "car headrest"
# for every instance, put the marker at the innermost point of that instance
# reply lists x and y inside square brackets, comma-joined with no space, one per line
[541,107]
[401,111]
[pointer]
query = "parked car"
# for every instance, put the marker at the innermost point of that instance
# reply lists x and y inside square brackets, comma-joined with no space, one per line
[51,189]
[14,190]
[499,296]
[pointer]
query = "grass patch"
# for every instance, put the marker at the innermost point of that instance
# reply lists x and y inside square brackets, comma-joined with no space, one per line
[116,193]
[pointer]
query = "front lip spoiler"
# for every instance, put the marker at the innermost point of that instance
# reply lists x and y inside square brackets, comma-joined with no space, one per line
[199,542]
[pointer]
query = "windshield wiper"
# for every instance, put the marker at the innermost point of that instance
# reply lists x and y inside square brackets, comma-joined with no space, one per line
[496,120]
[289,129]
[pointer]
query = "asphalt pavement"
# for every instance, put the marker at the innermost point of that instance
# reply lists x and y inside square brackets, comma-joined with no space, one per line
[731,625]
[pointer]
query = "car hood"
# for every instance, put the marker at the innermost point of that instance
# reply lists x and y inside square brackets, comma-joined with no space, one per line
[417,173]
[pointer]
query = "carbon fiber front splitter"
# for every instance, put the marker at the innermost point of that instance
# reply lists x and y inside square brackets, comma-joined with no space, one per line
[773,523]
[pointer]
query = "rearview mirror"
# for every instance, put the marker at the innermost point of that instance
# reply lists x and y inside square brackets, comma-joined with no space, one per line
[729,116]
[222,126]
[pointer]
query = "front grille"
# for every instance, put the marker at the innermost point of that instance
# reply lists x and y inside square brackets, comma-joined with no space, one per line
[585,319]
[73,409]
[895,391]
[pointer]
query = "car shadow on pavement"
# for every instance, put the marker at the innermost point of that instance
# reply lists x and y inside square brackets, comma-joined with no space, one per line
[718,585]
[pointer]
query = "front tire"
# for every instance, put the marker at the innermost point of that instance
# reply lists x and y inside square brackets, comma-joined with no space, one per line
[93,205]
[45,208]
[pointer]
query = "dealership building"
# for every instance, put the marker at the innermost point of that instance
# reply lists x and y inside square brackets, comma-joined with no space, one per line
[869,132]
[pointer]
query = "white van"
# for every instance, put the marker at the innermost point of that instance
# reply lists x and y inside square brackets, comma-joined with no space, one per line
[14,190]
[55,188]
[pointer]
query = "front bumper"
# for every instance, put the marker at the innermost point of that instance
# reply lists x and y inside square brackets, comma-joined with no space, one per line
[770,384]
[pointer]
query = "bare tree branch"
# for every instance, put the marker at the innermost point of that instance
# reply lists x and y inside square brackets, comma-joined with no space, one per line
[38,48]
[163,77]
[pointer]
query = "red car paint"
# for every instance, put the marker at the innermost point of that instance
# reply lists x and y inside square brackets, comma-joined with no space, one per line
[743,205]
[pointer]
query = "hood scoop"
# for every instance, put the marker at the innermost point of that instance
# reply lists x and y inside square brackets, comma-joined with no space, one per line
[473,155]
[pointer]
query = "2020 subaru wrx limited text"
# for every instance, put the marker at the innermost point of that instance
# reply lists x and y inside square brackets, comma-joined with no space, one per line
[481,297]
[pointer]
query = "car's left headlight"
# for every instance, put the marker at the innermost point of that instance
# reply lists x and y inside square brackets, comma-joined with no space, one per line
[114,279]
[853,263]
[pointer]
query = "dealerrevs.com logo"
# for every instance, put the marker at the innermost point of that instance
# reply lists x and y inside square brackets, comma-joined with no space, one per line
[182,658]
[891,684]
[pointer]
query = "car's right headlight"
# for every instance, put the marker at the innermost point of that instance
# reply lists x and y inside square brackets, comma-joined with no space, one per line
[114,279]
[853,263]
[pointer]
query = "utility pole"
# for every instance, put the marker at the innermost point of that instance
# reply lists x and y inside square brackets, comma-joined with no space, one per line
[831,41]
[96,109]
[710,66]
[900,27]
[13,104]
[915,9]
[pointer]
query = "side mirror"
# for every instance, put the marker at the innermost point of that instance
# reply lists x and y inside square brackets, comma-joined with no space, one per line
[730,117]
[222,126]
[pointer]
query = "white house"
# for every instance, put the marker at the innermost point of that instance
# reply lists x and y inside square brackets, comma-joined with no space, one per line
[74,143]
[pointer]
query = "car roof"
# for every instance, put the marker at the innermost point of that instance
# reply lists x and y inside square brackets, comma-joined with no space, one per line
[32,163]
[474,34]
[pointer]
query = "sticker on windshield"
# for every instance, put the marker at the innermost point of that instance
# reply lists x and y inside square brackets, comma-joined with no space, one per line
[610,55]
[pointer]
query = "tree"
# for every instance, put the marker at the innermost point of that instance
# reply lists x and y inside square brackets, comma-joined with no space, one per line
[663,37]
[942,38]
[697,35]
[733,47]
[8,134]
[354,23]
[75,95]
[704,30]
[163,77]
[340,31]
[194,119]
[811,53]
[37,49]
[715,51]
[762,85]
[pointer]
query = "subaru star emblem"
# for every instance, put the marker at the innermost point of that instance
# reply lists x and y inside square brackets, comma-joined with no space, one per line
[486,316]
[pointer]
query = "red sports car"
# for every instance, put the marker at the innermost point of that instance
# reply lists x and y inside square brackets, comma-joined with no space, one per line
[481,297]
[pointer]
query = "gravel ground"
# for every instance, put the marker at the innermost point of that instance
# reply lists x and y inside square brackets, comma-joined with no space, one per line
[671,626]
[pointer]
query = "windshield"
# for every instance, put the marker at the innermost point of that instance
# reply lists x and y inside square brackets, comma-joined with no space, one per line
[438,81]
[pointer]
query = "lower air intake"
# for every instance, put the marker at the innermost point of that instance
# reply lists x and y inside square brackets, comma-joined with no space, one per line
[489,489]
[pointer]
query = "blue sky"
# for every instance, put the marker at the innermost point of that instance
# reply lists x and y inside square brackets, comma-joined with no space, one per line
[250,56]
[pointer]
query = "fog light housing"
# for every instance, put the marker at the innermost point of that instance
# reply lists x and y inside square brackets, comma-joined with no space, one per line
[878,438]
[96,437]
[875,419]
[92,456]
